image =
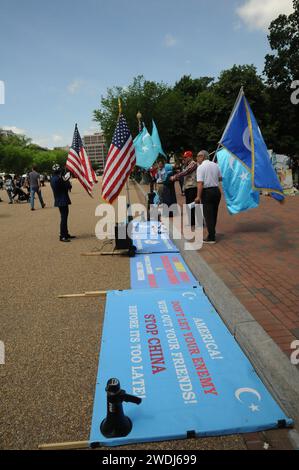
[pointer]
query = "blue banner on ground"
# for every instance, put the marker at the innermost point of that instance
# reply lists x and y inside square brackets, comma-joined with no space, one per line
[170,348]
[162,244]
[163,270]
[152,237]
[153,227]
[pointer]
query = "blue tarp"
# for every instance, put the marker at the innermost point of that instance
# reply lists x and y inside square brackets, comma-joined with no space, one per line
[171,348]
[164,270]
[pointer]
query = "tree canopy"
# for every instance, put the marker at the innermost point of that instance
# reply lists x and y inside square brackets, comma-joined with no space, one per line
[18,154]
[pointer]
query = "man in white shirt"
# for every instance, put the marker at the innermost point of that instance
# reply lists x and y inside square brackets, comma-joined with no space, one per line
[208,192]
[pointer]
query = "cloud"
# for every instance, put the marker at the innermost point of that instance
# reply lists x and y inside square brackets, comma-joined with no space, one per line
[170,40]
[92,130]
[57,139]
[41,142]
[258,14]
[74,86]
[50,141]
[14,129]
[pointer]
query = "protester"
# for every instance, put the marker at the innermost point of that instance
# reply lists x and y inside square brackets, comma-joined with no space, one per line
[190,183]
[178,168]
[160,178]
[61,187]
[34,183]
[169,195]
[18,191]
[295,171]
[208,192]
[9,186]
[153,174]
[1,182]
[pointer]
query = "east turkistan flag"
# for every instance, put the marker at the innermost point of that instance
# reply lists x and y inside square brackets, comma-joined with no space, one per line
[156,141]
[146,154]
[244,141]
[236,183]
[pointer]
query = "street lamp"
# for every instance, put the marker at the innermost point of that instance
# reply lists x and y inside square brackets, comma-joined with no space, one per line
[139,119]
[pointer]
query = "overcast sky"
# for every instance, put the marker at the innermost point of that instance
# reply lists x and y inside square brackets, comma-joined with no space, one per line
[57,58]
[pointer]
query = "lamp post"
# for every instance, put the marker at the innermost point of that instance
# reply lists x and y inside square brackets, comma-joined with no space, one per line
[139,119]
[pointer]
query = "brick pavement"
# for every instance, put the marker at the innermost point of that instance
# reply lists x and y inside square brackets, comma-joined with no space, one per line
[258,259]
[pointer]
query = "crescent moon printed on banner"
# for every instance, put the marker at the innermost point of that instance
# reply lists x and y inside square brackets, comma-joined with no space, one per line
[246,139]
[240,391]
[189,295]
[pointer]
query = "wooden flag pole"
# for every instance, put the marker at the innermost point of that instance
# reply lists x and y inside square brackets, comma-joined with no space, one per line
[119,106]
[99,293]
[65,446]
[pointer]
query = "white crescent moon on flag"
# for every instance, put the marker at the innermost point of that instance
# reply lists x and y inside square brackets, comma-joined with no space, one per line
[240,391]
[231,163]
[246,139]
[146,136]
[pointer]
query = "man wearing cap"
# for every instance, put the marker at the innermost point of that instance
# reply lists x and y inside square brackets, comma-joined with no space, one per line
[208,192]
[61,186]
[190,183]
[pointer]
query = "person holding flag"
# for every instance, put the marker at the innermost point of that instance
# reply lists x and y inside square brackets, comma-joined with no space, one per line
[208,192]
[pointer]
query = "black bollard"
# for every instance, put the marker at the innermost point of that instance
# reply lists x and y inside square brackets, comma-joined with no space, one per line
[116,423]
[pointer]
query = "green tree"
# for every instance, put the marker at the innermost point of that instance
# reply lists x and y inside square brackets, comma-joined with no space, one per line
[281,69]
[18,154]
[142,95]
[282,66]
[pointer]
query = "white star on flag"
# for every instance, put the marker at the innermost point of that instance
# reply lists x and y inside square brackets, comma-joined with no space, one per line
[244,176]
[254,408]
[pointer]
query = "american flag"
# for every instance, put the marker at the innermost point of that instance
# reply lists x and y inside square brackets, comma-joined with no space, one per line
[121,160]
[79,165]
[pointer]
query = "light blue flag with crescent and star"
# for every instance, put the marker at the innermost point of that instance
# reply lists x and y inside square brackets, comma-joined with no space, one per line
[236,183]
[243,139]
[156,140]
[146,154]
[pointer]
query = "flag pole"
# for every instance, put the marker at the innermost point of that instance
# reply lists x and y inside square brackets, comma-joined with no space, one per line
[241,93]
[130,218]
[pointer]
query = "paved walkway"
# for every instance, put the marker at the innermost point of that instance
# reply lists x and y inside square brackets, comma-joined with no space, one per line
[258,259]
[47,383]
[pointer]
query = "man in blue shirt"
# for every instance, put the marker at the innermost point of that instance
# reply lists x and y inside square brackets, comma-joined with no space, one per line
[61,186]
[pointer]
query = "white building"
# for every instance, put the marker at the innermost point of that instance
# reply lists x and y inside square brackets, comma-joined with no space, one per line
[96,149]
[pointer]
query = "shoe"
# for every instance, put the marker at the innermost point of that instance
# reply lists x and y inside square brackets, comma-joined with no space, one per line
[208,241]
[32,209]
[65,240]
[71,236]
[43,206]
